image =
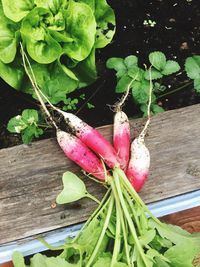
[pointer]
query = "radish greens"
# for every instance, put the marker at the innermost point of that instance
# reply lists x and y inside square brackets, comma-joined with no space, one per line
[122,232]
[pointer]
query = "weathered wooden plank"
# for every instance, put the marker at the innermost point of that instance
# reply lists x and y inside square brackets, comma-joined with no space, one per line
[30,176]
[186,219]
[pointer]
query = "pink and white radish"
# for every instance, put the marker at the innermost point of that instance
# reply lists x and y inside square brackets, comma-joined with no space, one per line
[121,138]
[93,139]
[138,167]
[78,152]
[88,136]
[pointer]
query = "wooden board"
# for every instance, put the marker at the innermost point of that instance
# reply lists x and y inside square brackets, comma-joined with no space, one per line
[186,219]
[30,176]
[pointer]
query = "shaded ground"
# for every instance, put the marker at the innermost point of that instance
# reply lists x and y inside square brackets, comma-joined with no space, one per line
[176,33]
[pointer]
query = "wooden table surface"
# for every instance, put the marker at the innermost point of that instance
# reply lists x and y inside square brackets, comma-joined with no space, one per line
[30,176]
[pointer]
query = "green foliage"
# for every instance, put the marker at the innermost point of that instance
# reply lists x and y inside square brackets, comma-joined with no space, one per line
[70,104]
[60,38]
[120,233]
[26,124]
[131,76]
[192,68]
[74,189]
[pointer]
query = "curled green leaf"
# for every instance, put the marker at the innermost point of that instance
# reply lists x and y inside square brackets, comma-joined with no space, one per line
[17,10]
[81,26]
[41,46]
[105,18]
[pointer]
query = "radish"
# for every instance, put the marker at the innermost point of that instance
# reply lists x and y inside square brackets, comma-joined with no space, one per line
[121,138]
[78,152]
[138,167]
[72,146]
[93,139]
[88,135]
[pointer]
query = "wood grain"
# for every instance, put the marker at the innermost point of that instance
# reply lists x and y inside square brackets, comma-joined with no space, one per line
[186,219]
[30,176]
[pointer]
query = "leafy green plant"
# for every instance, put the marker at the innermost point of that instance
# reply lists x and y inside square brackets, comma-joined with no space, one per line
[27,124]
[192,68]
[121,232]
[60,38]
[131,76]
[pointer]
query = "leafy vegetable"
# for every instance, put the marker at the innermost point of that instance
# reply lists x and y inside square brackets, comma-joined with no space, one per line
[61,38]
[192,68]
[131,77]
[121,232]
[17,10]
[105,23]
[9,38]
[26,124]
[12,73]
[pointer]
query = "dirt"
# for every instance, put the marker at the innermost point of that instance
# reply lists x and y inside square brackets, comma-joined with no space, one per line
[176,32]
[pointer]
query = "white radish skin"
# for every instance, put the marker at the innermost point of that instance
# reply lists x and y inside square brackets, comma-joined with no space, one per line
[93,139]
[78,152]
[138,167]
[121,138]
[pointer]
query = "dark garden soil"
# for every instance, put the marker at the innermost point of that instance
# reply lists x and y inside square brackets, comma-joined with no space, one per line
[176,33]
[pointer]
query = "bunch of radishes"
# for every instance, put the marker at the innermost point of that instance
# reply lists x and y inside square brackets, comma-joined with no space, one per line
[121,232]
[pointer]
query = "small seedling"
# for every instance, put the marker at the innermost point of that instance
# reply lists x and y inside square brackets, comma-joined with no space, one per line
[26,124]
[149,23]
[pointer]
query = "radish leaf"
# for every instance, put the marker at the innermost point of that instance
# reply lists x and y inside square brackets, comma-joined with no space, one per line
[74,189]
[182,254]
[18,259]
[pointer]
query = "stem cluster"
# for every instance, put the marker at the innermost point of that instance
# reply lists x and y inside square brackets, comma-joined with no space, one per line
[115,230]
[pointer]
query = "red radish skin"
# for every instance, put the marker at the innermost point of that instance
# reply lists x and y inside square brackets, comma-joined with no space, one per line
[138,167]
[78,152]
[122,138]
[93,139]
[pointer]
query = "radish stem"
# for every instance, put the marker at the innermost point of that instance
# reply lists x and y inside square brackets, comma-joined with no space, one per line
[103,204]
[128,199]
[105,226]
[135,196]
[32,79]
[117,244]
[121,217]
[121,102]
[144,131]
[92,197]
[129,219]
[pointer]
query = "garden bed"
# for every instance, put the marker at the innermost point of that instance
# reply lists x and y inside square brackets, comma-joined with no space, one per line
[176,33]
